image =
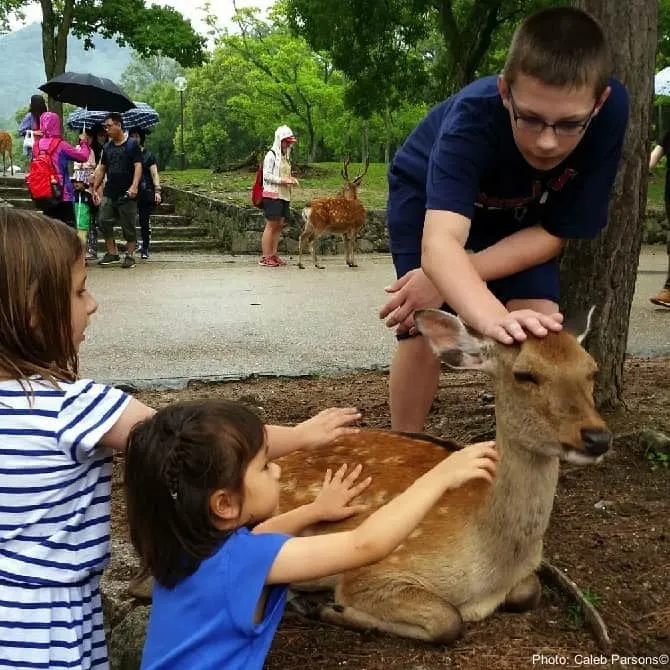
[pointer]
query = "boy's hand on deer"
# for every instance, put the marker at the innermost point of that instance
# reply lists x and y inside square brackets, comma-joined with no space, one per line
[411,292]
[512,327]
[338,490]
[476,461]
[327,426]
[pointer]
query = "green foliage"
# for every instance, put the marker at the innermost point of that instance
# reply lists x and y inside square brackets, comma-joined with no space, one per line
[150,30]
[576,610]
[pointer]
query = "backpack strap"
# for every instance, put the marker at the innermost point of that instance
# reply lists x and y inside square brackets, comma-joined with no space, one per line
[55,142]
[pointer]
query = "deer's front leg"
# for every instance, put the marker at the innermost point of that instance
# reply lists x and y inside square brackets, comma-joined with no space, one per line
[384,604]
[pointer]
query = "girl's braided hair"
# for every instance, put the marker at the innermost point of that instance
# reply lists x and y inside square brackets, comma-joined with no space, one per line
[174,462]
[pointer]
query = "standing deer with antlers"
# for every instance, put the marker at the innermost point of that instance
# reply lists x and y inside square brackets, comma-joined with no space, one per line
[6,150]
[480,546]
[342,214]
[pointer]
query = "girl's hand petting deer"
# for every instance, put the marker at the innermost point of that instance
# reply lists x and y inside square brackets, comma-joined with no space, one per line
[326,426]
[338,490]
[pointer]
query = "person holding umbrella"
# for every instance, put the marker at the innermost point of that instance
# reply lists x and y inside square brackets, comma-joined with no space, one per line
[52,142]
[121,162]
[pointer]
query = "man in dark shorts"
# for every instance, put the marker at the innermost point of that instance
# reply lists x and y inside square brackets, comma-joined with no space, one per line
[508,169]
[121,162]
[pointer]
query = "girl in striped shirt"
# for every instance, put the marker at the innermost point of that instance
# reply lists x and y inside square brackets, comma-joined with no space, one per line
[57,436]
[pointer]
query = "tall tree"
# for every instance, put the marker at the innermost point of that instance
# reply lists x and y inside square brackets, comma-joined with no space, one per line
[603,271]
[150,30]
[375,43]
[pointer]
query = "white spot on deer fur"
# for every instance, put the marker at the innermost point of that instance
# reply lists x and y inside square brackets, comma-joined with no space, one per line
[442,511]
[370,461]
[416,533]
[394,460]
[290,485]
[380,498]
[314,489]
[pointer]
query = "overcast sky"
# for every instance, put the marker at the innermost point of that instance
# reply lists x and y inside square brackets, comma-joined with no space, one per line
[189,8]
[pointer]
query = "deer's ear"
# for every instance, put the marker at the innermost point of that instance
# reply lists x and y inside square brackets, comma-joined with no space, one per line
[580,324]
[459,347]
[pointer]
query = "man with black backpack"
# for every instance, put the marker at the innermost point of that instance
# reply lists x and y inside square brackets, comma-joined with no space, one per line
[121,162]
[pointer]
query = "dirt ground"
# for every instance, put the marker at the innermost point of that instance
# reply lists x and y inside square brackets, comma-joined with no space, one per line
[619,555]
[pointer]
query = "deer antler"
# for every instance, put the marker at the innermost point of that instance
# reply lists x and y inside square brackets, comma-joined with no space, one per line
[358,179]
[345,171]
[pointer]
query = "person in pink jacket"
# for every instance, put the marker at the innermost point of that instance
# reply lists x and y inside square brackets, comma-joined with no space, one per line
[50,128]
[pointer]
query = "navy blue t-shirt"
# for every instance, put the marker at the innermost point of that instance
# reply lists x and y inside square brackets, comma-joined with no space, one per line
[462,158]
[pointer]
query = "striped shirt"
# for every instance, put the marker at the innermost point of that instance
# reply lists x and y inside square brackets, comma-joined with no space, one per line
[55,487]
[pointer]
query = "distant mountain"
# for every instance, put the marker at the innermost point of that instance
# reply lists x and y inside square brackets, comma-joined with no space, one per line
[22,67]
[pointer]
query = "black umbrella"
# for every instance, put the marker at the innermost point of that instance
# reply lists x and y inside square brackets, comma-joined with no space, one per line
[89,91]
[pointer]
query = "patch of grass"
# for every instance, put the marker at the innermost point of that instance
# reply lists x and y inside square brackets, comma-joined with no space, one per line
[576,612]
[325,179]
[656,188]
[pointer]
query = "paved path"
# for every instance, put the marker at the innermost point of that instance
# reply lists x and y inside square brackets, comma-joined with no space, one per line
[181,317]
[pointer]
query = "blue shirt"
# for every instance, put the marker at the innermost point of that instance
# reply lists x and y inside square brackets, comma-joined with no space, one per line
[462,158]
[207,620]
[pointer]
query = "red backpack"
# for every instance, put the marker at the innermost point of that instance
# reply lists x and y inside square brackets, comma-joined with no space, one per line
[42,178]
[257,188]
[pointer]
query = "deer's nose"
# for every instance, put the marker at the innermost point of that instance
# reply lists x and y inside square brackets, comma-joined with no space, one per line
[596,442]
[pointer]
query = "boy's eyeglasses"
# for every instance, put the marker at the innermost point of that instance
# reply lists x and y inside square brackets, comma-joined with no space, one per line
[536,125]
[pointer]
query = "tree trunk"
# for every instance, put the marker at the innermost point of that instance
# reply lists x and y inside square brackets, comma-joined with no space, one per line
[602,272]
[54,42]
[389,134]
[365,143]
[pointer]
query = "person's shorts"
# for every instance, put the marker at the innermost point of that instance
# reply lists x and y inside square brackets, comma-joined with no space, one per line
[540,282]
[112,212]
[275,208]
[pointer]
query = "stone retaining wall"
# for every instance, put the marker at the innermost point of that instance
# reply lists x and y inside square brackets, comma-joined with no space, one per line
[239,229]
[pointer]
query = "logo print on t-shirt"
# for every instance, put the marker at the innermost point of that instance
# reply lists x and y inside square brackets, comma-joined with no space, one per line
[520,203]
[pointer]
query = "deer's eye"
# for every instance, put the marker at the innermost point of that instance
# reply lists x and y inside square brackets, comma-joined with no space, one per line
[525,377]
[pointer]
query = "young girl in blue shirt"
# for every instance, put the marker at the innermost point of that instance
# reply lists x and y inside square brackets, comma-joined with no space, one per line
[202,495]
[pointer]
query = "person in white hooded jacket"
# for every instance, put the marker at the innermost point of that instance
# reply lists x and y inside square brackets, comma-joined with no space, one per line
[277,183]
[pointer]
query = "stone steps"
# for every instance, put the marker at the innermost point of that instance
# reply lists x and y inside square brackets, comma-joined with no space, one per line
[169,231]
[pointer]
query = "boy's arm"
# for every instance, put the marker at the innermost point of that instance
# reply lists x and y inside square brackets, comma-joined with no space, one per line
[452,271]
[520,251]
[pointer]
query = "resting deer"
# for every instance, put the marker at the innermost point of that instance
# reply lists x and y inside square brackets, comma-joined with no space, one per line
[479,548]
[6,150]
[342,214]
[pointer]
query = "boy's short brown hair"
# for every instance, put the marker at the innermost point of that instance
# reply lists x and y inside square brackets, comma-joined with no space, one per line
[560,46]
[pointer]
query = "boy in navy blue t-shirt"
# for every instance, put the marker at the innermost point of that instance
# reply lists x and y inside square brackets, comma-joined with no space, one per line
[509,168]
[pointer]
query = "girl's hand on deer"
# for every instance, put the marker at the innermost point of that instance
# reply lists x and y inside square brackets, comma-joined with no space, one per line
[337,492]
[476,461]
[411,292]
[326,426]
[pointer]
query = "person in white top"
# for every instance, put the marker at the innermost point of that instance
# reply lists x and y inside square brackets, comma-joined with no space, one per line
[277,183]
[57,436]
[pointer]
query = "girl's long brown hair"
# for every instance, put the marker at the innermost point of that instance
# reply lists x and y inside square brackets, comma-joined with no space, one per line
[37,255]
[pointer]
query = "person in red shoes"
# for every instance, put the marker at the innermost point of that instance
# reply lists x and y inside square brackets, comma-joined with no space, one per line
[277,184]
[662,298]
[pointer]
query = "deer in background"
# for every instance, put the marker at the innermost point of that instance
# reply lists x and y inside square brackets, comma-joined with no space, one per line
[342,214]
[6,150]
[480,546]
